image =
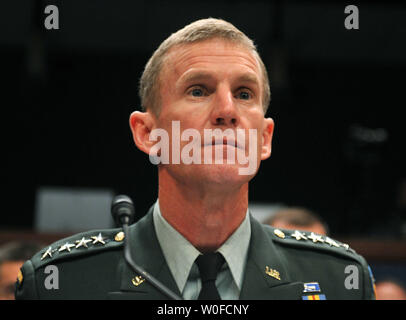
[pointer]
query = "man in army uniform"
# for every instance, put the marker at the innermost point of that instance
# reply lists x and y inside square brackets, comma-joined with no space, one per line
[199,239]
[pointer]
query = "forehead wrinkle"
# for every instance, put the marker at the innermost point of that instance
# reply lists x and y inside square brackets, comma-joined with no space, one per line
[194,62]
[187,54]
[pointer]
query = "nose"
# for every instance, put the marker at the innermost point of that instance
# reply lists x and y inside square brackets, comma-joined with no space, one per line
[224,112]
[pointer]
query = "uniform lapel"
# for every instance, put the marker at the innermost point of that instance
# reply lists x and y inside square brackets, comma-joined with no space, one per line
[147,253]
[266,275]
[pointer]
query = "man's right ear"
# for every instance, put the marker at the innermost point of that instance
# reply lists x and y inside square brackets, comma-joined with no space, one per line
[142,123]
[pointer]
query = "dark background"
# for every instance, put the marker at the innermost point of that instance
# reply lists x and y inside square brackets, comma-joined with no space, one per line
[337,99]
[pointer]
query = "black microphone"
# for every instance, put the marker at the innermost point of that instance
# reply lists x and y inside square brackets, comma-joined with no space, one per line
[122,210]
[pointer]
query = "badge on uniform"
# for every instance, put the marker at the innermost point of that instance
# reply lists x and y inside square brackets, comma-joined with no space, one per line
[312,287]
[314,297]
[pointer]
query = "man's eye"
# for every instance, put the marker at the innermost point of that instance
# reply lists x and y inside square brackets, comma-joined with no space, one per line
[197,92]
[244,95]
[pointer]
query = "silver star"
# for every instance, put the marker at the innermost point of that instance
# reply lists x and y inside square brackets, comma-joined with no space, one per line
[331,242]
[98,239]
[47,253]
[66,246]
[298,235]
[82,242]
[315,237]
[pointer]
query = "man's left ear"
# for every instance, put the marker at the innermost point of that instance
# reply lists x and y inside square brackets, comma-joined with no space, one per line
[267,134]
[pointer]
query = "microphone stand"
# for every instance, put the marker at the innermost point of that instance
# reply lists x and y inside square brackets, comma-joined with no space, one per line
[127,256]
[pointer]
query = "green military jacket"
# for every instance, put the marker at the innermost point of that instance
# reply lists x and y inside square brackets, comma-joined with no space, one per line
[281,264]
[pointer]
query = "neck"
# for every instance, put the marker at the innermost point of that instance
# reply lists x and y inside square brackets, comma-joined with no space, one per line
[205,216]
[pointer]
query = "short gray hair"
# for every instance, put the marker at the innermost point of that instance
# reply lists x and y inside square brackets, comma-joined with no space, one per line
[199,30]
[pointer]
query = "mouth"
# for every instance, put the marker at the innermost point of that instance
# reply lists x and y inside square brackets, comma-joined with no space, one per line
[225,142]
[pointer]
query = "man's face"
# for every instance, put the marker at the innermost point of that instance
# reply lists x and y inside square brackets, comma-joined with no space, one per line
[214,84]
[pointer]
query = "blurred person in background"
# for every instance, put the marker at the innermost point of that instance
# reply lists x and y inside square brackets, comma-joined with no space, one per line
[297,218]
[390,289]
[12,257]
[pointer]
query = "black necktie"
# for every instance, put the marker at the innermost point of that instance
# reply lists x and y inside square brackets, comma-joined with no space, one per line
[209,265]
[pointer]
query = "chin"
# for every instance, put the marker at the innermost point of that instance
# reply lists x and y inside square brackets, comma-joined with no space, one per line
[222,174]
[218,176]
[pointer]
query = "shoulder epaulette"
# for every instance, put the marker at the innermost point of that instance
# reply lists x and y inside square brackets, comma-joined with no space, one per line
[313,241]
[84,243]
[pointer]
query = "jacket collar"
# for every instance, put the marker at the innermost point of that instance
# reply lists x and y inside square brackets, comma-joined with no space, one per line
[266,274]
[146,253]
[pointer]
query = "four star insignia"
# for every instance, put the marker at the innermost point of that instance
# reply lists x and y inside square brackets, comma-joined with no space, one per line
[318,238]
[79,243]
[298,235]
[82,242]
[98,239]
